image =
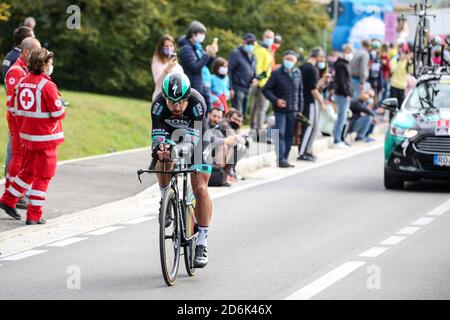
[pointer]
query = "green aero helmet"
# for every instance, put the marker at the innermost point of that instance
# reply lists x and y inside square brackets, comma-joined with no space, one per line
[176,86]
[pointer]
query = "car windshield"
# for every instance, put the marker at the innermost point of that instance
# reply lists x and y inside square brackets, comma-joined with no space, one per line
[431,94]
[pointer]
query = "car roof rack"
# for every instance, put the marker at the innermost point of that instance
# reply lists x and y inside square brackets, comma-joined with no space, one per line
[433,73]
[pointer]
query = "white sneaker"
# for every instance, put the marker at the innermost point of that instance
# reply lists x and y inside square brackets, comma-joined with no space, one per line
[340,145]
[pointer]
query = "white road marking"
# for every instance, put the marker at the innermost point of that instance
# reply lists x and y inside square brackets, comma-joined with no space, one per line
[325,281]
[66,242]
[374,252]
[440,210]
[23,255]
[422,221]
[408,230]
[139,220]
[391,241]
[103,231]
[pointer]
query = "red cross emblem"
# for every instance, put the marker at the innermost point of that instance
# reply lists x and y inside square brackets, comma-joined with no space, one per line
[26,98]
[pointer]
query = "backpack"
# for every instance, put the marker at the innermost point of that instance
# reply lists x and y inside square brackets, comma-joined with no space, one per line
[218,177]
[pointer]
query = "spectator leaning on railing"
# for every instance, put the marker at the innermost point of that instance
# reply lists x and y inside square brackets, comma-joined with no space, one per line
[285,90]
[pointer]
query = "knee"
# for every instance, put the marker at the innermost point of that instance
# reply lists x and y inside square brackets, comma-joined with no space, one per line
[200,190]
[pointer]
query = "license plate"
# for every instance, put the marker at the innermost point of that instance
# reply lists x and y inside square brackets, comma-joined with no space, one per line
[442,160]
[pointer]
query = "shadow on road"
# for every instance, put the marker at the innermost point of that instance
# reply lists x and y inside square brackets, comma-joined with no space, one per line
[428,186]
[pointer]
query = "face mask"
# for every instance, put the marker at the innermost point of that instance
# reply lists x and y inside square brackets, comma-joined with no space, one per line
[234,125]
[268,42]
[199,38]
[49,71]
[348,56]
[321,65]
[288,64]
[370,101]
[249,48]
[223,70]
[167,51]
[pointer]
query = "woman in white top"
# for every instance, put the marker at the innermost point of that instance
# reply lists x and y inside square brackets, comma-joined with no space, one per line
[164,61]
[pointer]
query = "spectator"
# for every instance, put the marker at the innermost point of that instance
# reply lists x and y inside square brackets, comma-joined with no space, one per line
[385,72]
[342,95]
[223,143]
[328,118]
[362,117]
[39,122]
[30,22]
[359,67]
[242,72]
[230,128]
[312,100]
[276,45]
[264,62]
[375,66]
[285,90]
[14,75]
[164,61]
[196,61]
[400,67]
[19,35]
[220,85]
[437,57]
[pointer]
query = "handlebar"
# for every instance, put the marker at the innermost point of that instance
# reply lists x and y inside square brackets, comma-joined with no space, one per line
[173,173]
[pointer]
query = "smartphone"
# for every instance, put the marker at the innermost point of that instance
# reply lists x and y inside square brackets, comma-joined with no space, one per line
[173,55]
[216,41]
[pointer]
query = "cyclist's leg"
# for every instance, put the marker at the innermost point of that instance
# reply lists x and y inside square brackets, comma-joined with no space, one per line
[203,208]
[203,211]
[164,179]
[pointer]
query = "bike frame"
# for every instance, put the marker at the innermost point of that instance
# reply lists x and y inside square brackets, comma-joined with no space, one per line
[181,205]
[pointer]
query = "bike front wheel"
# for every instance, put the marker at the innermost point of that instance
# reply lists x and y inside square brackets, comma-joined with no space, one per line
[191,232]
[169,237]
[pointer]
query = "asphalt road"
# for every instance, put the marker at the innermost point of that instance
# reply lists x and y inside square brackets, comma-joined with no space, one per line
[272,241]
[89,183]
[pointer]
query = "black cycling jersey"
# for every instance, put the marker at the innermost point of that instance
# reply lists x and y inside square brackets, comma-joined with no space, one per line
[190,130]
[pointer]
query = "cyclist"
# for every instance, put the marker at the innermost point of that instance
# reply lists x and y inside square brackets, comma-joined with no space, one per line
[179,114]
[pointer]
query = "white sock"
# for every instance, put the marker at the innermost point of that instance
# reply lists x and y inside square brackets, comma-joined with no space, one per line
[202,236]
[163,190]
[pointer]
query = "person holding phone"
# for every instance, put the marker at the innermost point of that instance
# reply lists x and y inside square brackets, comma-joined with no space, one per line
[164,61]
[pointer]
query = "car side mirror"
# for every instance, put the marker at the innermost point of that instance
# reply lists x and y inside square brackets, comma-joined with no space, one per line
[390,104]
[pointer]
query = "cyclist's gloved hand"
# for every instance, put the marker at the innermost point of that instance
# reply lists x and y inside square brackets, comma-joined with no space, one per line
[162,151]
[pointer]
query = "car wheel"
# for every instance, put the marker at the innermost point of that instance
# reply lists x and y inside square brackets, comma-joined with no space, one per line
[392,183]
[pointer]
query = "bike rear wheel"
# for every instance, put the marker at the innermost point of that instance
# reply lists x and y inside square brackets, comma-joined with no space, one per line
[169,237]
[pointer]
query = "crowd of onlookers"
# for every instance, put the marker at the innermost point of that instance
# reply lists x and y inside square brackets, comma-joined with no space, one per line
[338,94]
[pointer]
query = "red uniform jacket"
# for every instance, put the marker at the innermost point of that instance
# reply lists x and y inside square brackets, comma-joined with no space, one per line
[39,111]
[17,71]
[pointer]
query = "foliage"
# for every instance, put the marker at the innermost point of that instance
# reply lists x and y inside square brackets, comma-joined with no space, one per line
[111,52]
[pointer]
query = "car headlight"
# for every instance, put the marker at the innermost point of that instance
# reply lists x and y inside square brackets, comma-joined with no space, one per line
[400,132]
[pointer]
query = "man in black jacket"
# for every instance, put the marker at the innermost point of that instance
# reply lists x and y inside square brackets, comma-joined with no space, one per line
[242,72]
[196,61]
[343,94]
[285,90]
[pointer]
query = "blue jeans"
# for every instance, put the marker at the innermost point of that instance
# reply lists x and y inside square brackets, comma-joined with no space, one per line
[361,126]
[285,123]
[356,84]
[343,104]
[239,102]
